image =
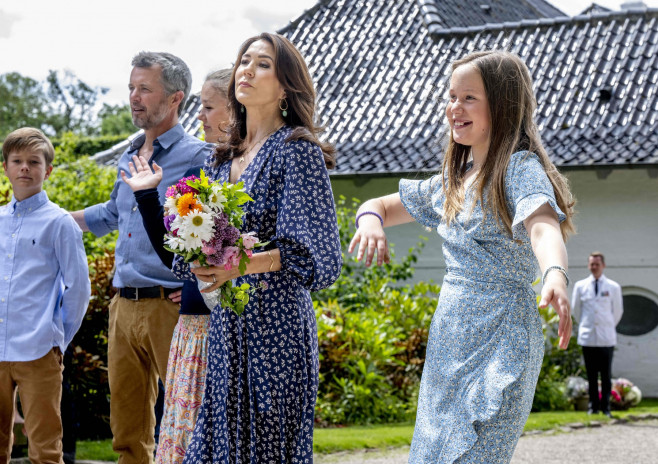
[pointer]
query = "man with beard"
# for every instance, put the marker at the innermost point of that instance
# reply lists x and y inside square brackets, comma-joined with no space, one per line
[142,317]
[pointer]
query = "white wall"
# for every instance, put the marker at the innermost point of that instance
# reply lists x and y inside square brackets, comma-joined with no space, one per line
[617,214]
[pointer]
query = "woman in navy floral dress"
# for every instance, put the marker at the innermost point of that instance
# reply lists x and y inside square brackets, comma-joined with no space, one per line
[498,204]
[262,377]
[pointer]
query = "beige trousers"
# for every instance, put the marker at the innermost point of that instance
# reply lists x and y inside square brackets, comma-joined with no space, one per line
[40,386]
[138,346]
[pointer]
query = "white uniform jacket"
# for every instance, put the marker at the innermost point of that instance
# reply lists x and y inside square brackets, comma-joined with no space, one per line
[597,315]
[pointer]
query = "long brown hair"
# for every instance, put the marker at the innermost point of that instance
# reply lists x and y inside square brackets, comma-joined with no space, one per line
[293,75]
[512,104]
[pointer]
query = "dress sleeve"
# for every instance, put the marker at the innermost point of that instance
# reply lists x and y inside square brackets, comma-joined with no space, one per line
[306,225]
[419,198]
[148,202]
[528,188]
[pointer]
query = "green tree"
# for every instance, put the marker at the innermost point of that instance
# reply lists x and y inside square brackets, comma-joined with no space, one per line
[62,103]
[116,120]
[24,103]
[72,103]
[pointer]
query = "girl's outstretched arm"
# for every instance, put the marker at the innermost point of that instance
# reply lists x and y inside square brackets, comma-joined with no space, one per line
[370,235]
[548,245]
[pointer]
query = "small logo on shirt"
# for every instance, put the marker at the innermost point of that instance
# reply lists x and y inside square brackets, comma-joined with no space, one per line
[605,293]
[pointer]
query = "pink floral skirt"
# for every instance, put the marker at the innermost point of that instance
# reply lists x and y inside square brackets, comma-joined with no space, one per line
[184,387]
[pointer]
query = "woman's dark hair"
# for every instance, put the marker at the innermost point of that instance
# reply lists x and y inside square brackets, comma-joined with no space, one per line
[293,75]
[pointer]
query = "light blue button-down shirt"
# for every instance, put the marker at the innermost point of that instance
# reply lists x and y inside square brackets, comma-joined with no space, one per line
[137,264]
[44,279]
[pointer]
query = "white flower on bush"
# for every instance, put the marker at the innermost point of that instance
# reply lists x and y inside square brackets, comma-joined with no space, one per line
[576,387]
[634,396]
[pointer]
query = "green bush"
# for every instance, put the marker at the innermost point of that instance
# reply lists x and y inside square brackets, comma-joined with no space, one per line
[79,146]
[89,386]
[557,365]
[372,332]
[78,182]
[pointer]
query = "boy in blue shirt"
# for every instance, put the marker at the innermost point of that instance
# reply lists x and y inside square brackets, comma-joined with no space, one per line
[44,292]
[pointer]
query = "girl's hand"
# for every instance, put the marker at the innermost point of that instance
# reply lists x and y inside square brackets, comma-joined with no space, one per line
[214,275]
[141,177]
[371,238]
[176,296]
[554,292]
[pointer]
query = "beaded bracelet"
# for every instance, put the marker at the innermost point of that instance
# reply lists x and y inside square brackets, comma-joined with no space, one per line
[555,268]
[356,221]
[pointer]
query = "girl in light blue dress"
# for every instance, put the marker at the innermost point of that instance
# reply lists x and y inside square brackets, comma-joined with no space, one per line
[502,208]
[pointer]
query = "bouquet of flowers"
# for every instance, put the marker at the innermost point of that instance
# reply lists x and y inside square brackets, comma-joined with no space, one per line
[624,394]
[203,221]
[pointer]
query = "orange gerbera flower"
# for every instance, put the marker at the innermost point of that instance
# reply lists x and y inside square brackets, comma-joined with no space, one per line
[187,203]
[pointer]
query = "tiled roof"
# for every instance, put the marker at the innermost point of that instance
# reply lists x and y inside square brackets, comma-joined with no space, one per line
[442,14]
[380,74]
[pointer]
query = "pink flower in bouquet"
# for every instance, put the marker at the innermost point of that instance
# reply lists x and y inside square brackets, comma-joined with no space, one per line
[208,250]
[249,240]
[171,191]
[183,188]
[232,257]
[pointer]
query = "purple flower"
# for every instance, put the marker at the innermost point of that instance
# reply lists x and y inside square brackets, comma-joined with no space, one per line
[231,235]
[168,220]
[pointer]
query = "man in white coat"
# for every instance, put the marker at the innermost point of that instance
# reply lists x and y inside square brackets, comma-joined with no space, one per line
[597,306]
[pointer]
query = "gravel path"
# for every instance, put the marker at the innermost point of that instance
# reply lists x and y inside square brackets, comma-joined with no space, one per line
[631,443]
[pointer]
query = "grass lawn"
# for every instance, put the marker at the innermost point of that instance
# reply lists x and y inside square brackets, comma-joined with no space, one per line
[331,440]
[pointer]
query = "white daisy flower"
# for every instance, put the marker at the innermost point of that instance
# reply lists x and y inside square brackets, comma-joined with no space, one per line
[170,206]
[196,227]
[216,199]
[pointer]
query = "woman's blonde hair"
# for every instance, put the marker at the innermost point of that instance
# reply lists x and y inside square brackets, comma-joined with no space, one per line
[512,104]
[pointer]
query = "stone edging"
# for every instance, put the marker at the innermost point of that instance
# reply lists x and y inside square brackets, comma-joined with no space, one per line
[593,424]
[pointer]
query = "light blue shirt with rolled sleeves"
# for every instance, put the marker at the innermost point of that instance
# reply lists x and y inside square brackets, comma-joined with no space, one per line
[44,278]
[137,264]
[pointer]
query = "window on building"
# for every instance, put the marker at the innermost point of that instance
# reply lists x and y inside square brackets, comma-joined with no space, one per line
[640,315]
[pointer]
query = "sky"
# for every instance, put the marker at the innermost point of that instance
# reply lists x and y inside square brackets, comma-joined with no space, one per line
[96,40]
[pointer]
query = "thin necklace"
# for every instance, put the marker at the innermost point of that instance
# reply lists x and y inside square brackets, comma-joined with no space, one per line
[257,143]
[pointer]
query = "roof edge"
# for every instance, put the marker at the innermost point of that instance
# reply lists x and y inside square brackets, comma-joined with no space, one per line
[561,167]
[438,33]
[295,22]
[429,13]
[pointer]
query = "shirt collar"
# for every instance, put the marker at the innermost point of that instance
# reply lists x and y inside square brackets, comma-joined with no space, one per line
[601,279]
[165,140]
[29,204]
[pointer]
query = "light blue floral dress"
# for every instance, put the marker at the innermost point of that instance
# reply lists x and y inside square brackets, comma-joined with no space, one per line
[485,343]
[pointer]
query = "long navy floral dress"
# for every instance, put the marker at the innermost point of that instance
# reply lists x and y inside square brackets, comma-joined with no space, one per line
[262,378]
[485,344]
